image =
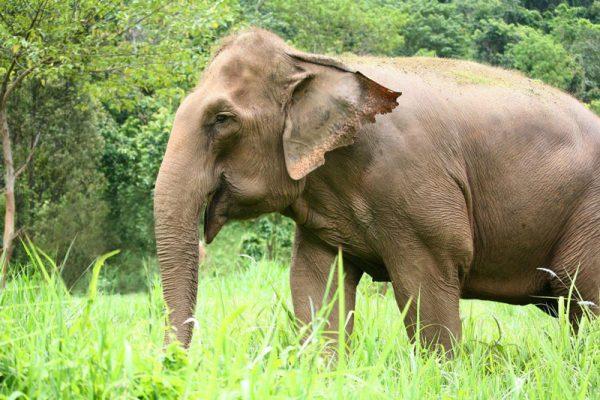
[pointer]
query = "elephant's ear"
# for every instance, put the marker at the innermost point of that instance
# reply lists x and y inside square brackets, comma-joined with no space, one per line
[327,104]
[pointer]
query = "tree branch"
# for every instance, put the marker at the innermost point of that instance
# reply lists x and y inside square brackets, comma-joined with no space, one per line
[29,156]
[8,89]
[130,25]
[141,19]
[35,18]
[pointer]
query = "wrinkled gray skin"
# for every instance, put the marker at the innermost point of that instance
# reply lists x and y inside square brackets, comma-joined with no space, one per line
[460,188]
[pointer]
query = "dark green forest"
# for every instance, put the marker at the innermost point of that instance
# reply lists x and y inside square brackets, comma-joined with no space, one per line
[88,91]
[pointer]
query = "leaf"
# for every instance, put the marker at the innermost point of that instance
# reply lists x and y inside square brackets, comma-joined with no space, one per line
[93,287]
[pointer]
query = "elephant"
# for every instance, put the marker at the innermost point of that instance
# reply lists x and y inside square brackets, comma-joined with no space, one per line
[450,179]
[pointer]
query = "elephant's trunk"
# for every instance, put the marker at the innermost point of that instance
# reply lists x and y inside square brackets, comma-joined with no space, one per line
[181,189]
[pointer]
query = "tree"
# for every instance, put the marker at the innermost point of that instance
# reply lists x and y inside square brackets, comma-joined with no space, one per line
[491,40]
[334,26]
[581,38]
[437,27]
[48,40]
[60,195]
[541,57]
[549,4]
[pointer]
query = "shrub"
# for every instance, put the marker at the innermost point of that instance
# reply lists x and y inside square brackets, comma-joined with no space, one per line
[541,57]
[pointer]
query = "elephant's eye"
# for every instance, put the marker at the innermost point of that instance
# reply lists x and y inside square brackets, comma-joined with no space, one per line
[222,127]
[222,118]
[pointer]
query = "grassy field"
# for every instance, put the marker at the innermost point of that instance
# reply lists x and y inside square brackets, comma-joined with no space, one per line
[59,346]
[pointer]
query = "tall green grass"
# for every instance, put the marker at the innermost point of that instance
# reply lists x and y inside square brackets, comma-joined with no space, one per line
[59,346]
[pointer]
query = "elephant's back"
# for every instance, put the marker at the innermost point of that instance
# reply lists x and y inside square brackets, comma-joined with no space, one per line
[446,74]
[463,83]
[474,97]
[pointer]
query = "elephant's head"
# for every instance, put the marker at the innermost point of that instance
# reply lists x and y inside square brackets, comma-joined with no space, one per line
[262,117]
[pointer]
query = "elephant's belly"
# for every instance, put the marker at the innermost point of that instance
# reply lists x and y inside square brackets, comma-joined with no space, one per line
[523,287]
[376,270]
[508,253]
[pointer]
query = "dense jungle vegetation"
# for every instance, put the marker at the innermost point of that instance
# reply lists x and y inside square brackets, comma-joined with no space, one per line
[88,91]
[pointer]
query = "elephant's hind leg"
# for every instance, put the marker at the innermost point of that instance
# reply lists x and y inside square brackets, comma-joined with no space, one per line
[576,259]
[431,291]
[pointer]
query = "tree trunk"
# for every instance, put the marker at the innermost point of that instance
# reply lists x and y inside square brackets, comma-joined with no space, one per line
[9,192]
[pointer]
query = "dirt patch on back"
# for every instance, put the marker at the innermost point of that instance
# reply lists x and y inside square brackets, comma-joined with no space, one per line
[457,72]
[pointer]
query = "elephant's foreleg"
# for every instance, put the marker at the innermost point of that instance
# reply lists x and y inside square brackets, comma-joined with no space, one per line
[311,269]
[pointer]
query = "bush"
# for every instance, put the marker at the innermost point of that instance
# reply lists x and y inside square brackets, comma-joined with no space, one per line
[595,107]
[541,57]
[438,27]
[270,237]
[335,26]
[491,40]
[581,38]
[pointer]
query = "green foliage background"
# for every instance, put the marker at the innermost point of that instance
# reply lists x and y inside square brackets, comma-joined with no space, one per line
[104,103]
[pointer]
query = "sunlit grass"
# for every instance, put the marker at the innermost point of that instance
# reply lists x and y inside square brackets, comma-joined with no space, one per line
[55,345]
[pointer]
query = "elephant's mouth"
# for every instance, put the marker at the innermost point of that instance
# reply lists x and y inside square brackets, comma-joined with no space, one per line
[214,214]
